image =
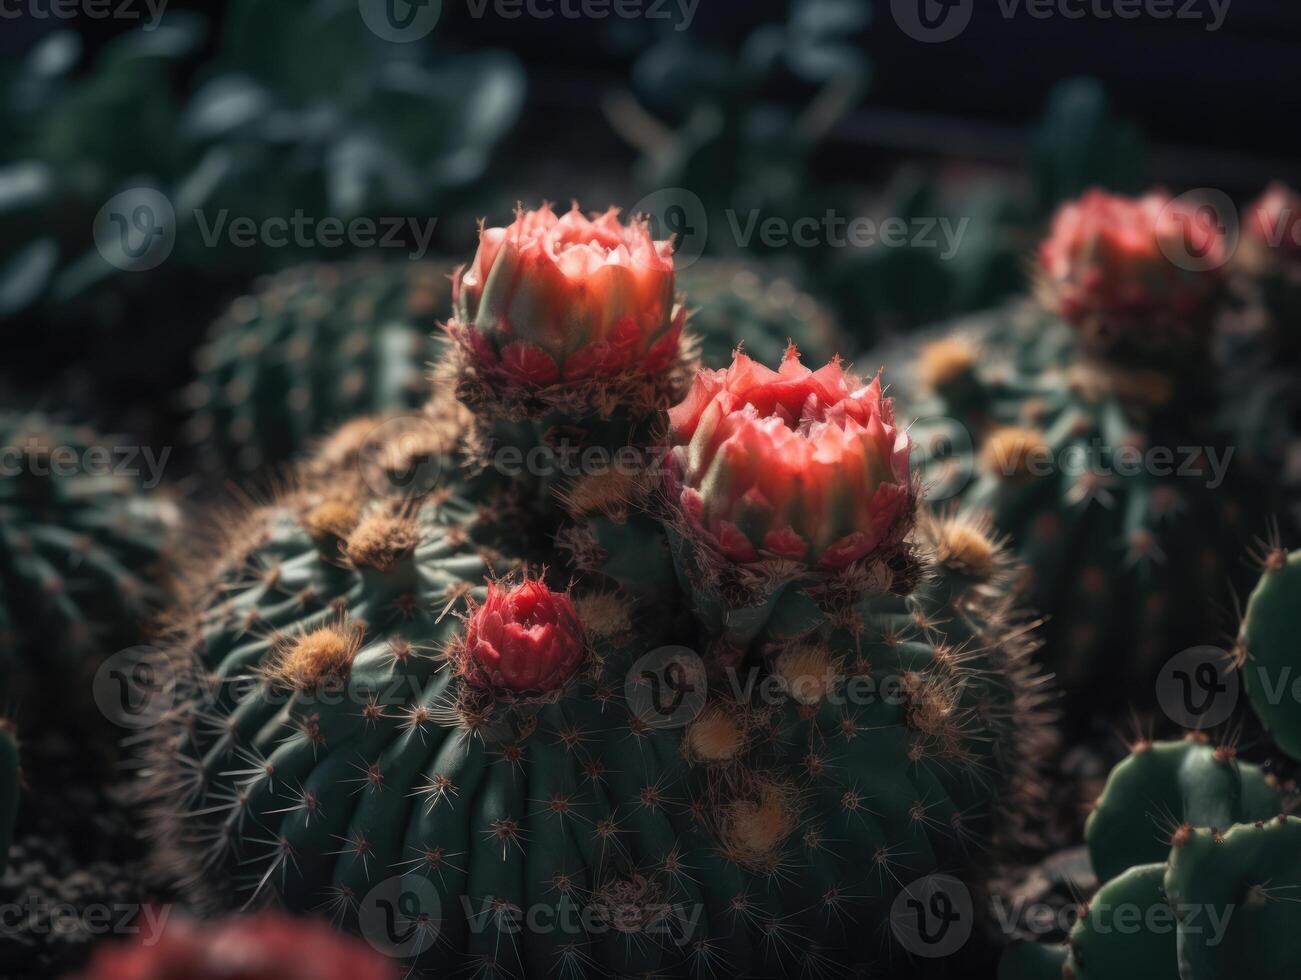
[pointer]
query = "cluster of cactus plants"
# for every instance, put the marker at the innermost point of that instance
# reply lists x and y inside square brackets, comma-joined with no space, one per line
[600,589]
[379,678]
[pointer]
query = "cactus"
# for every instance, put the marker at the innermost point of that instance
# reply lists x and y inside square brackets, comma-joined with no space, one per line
[418,686]
[1267,649]
[735,301]
[309,349]
[1083,430]
[1125,930]
[1164,785]
[80,544]
[1249,876]
[266,945]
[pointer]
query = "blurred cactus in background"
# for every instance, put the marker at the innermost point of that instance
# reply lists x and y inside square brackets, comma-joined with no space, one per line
[1260,339]
[83,547]
[1082,425]
[309,348]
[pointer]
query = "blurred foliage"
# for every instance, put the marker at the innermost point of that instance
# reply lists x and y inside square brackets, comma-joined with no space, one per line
[298,109]
[738,124]
[1078,143]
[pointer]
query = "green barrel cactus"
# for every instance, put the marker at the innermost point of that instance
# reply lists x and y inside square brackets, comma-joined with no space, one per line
[1083,429]
[1162,786]
[82,544]
[733,302]
[1267,649]
[309,349]
[1246,877]
[401,704]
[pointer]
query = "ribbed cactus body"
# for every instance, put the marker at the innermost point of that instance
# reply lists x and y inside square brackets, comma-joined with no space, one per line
[307,350]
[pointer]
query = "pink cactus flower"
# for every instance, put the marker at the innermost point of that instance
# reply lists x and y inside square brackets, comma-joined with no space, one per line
[551,299]
[795,464]
[1122,260]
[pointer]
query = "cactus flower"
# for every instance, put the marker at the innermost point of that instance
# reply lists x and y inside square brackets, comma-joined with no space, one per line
[267,946]
[552,299]
[793,464]
[527,638]
[1118,260]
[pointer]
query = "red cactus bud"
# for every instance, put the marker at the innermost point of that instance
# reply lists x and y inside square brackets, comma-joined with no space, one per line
[267,946]
[791,463]
[523,639]
[552,299]
[1112,258]
[1273,225]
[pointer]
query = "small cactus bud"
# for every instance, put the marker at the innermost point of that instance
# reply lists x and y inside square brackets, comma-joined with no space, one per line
[527,638]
